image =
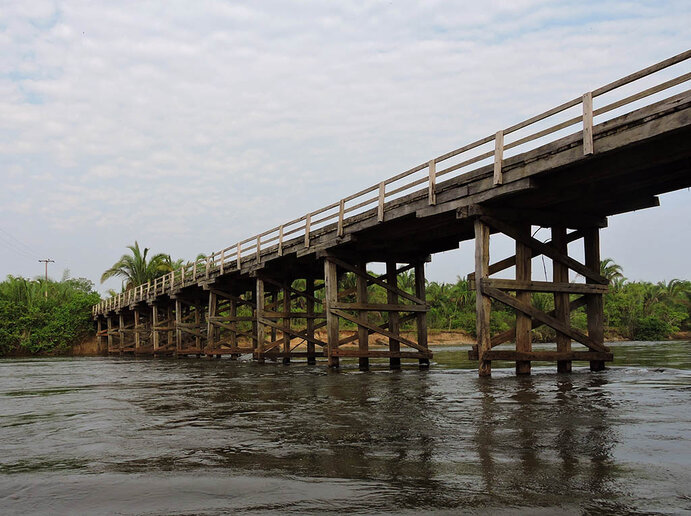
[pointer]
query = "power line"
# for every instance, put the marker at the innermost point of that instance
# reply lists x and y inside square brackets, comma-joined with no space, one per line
[13,247]
[17,244]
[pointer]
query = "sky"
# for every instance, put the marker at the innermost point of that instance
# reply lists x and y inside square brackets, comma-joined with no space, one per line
[188,126]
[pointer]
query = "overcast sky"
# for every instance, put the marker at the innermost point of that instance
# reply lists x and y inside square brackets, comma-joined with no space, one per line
[190,125]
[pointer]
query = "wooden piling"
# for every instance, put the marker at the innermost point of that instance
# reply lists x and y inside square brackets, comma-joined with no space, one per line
[523,322]
[482,301]
[561,299]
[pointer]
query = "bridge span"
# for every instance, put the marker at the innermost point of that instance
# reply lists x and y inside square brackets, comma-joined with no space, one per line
[284,293]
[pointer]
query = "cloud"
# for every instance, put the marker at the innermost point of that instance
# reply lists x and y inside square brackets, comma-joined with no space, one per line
[196,125]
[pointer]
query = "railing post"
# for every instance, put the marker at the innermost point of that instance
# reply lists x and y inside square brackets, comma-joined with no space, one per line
[194,270]
[208,265]
[308,222]
[382,195]
[432,193]
[498,157]
[259,248]
[223,259]
[341,212]
[587,123]
[280,240]
[239,252]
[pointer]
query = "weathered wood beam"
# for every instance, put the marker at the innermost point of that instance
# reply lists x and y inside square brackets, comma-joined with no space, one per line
[544,318]
[548,356]
[546,286]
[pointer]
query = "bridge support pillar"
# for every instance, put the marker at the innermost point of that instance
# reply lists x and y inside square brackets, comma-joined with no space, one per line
[532,312]
[126,331]
[405,303]
[111,333]
[142,330]
[229,322]
[162,329]
[190,326]
[279,316]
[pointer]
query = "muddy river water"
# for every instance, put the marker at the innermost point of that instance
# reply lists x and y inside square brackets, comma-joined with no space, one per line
[194,436]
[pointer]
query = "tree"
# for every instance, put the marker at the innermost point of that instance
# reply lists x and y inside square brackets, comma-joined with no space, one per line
[611,270]
[135,269]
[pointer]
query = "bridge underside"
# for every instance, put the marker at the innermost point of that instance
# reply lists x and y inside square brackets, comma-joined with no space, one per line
[292,301]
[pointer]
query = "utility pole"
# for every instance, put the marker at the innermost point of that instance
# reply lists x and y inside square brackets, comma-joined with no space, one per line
[47,261]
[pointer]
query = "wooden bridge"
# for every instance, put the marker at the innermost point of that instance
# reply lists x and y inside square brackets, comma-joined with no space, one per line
[284,293]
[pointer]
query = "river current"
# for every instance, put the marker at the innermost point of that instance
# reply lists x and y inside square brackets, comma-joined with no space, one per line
[195,436]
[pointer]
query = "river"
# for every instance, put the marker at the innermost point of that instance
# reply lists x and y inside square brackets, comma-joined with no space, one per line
[196,436]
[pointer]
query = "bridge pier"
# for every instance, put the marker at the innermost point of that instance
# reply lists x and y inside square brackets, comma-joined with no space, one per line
[162,329]
[190,326]
[567,296]
[355,304]
[230,321]
[142,330]
[275,319]
[126,331]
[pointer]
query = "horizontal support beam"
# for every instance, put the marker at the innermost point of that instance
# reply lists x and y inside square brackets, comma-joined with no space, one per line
[230,350]
[372,307]
[355,353]
[546,356]
[535,217]
[545,286]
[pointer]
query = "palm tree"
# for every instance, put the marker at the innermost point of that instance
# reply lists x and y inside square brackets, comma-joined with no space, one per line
[135,269]
[611,270]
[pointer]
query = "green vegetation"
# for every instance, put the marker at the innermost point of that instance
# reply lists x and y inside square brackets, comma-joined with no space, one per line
[633,310]
[38,316]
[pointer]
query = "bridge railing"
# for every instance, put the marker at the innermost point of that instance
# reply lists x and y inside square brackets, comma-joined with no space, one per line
[492,149]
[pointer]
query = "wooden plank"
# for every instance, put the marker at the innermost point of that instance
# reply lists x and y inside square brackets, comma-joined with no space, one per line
[432,188]
[498,157]
[546,286]
[544,318]
[482,301]
[548,356]
[523,276]
[587,123]
[547,250]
